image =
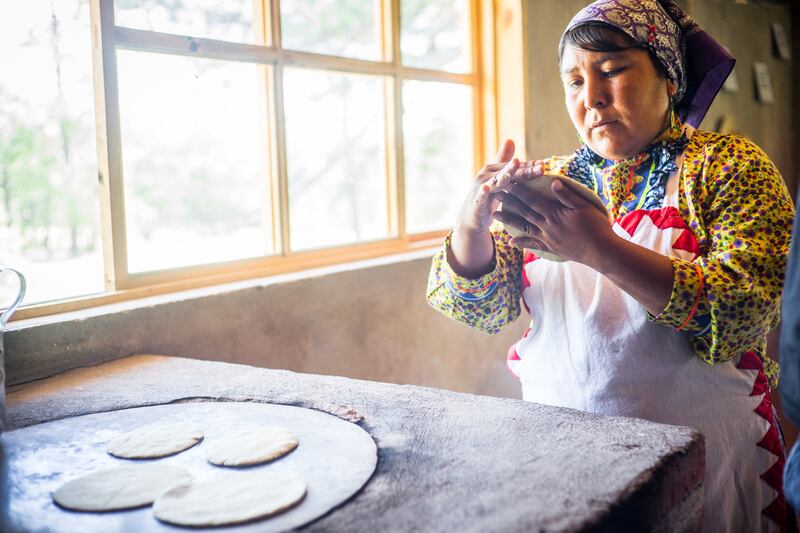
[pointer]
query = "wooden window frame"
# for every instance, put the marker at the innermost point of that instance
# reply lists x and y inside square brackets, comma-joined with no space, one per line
[120,285]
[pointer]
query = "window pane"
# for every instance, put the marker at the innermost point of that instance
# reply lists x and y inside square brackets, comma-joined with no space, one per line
[349,28]
[435,34]
[49,206]
[336,158]
[195,160]
[439,153]
[229,20]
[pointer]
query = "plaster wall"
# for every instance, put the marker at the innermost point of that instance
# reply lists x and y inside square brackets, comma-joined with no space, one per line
[366,321]
[549,129]
[746,30]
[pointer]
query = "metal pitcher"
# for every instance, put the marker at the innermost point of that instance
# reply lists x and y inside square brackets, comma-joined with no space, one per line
[3,320]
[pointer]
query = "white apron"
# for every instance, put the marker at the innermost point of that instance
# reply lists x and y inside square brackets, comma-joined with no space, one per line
[591,347]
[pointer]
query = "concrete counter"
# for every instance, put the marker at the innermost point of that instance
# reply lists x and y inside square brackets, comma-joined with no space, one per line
[446,461]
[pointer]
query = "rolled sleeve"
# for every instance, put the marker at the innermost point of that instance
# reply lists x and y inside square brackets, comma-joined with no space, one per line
[473,290]
[486,303]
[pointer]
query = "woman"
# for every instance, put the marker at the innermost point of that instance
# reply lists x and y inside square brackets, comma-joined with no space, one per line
[661,314]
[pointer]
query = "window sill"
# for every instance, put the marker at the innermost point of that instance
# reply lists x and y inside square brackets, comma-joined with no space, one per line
[132,299]
[301,265]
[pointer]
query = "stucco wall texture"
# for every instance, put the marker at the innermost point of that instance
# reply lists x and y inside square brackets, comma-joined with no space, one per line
[369,323]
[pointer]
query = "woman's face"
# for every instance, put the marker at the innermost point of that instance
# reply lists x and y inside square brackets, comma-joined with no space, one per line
[616,100]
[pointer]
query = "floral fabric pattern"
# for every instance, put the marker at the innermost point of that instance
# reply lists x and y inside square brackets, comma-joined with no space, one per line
[453,295]
[650,25]
[664,29]
[636,183]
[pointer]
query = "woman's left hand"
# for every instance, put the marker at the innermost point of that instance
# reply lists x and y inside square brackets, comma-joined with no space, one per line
[567,225]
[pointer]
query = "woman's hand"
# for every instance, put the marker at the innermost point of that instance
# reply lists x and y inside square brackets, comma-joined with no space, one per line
[574,229]
[567,225]
[477,211]
[472,247]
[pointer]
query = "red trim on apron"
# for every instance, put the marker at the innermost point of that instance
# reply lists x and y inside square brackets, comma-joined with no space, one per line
[777,510]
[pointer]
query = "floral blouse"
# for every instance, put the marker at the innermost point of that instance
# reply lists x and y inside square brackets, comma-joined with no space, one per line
[728,298]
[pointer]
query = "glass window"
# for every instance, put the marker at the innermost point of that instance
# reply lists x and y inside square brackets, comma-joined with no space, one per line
[49,204]
[435,34]
[438,142]
[195,160]
[226,20]
[208,173]
[335,144]
[349,28]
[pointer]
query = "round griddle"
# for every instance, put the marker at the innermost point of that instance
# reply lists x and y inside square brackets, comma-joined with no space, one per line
[334,457]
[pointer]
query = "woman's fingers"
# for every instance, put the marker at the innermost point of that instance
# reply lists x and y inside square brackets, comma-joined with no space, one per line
[501,165]
[502,178]
[506,152]
[489,170]
[483,200]
[567,196]
[517,222]
[534,200]
[517,206]
[480,203]
[494,167]
[528,242]
[528,170]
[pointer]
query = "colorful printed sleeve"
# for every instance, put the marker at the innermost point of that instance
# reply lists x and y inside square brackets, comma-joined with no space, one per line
[728,298]
[486,303]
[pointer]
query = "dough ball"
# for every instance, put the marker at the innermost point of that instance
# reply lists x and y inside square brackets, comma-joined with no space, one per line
[541,186]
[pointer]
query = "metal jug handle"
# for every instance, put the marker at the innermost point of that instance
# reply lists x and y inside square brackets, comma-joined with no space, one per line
[13,307]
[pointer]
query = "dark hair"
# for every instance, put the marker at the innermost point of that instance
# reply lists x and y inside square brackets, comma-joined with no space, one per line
[601,37]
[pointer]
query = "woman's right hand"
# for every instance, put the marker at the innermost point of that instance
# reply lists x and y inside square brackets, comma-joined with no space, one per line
[475,216]
[472,247]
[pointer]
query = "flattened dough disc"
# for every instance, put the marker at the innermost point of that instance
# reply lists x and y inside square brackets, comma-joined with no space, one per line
[250,446]
[157,440]
[124,487]
[231,498]
[541,186]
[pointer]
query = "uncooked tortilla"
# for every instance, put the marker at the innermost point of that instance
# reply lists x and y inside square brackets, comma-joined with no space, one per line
[234,498]
[541,186]
[158,440]
[251,446]
[124,487]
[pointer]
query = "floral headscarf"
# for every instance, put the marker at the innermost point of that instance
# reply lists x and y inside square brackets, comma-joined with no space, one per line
[693,60]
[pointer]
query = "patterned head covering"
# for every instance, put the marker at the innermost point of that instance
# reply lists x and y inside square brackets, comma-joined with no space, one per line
[693,60]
